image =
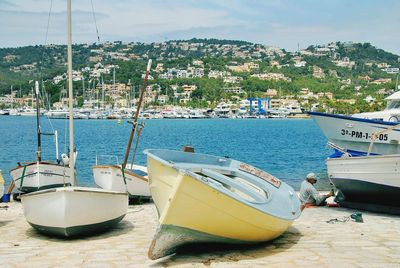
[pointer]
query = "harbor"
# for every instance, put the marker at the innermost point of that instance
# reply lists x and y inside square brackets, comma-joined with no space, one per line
[291,161]
[258,142]
[311,241]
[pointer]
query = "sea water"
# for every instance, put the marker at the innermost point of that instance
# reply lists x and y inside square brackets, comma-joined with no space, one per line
[286,148]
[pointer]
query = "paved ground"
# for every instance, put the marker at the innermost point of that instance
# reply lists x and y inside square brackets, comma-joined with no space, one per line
[310,242]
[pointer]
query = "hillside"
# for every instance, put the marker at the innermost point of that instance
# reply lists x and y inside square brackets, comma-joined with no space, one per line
[347,70]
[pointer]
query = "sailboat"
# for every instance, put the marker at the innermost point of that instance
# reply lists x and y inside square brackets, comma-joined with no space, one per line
[70,210]
[205,198]
[129,177]
[39,174]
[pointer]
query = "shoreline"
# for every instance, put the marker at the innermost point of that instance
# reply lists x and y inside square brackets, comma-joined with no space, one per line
[310,241]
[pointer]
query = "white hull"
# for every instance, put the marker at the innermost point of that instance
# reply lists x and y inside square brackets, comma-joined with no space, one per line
[373,179]
[110,177]
[70,211]
[355,133]
[41,175]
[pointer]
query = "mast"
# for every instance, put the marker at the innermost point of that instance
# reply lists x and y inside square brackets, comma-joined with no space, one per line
[70,92]
[12,99]
[128,148]
[39,133]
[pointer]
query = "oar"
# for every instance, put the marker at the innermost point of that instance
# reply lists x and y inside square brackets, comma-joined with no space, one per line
[10,187]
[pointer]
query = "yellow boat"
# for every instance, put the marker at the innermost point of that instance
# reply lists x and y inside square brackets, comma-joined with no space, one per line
[204,198]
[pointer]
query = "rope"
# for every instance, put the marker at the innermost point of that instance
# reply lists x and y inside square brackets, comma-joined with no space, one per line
[123,173]
[141,125]
[48,22]
[22,177]
[343,219]
[95,22]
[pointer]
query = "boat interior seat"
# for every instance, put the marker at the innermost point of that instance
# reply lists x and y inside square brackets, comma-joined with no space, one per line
[239,185]
[138,172]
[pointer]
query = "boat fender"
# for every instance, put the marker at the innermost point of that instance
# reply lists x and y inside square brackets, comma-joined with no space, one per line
[65,159]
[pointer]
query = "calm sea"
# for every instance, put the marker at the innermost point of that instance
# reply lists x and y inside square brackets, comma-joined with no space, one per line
[286,148]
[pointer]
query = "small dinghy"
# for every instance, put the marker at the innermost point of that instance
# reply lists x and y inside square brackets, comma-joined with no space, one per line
[126,177]
[73,211]
[205,198]
[132,179]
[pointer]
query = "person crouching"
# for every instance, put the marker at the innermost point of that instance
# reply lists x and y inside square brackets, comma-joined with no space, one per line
[310,196]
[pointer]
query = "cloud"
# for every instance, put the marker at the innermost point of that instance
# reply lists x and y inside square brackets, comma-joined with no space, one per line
[274,22]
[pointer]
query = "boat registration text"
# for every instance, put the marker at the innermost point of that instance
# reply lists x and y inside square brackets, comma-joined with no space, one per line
[362,135]
[261,174]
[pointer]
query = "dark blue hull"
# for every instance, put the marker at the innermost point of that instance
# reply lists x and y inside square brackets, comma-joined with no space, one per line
[367,195]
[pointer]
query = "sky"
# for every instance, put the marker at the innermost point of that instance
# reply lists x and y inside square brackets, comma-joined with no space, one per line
[287,24]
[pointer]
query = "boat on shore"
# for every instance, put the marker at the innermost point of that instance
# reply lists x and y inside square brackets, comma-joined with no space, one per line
[356,133]
[72,210]
[125,177]
[370,179]
[35,176]
[370,182]
[204,198]
[132,179]
[38,175]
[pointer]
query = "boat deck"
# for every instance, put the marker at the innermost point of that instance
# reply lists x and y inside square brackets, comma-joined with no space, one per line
[311,241]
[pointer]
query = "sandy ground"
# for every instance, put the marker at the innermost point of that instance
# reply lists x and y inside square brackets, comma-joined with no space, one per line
[310,242]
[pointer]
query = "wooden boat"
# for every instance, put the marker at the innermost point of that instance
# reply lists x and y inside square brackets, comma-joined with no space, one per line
[73,211]
[35,176]
[133,179]
[125,177]
[373,179]
[204,198]
[39,174]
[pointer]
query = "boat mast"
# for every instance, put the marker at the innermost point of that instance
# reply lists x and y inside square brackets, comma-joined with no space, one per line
[70,92]
[39,138]
[128,148]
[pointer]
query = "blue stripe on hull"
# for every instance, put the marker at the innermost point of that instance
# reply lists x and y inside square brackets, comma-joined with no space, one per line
[385,123]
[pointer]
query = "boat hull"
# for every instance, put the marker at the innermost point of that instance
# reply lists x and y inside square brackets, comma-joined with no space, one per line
[369,179]
[35,176]
[356,133]
[109,177]
[192,211]
[73,211]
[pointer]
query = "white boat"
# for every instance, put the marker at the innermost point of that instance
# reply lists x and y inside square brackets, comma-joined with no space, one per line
[355,133]
[391,112]
[373,179]
[131,178]
[27,112]
[40,174]
[72,211]
[57,114]
[35,176]
[204,198]
[223,110]
[196,114]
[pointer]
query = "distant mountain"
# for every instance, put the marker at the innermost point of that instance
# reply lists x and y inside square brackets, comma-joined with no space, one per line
[336,67]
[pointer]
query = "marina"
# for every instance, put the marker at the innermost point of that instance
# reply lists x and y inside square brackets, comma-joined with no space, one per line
[205,165]
[230,137]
